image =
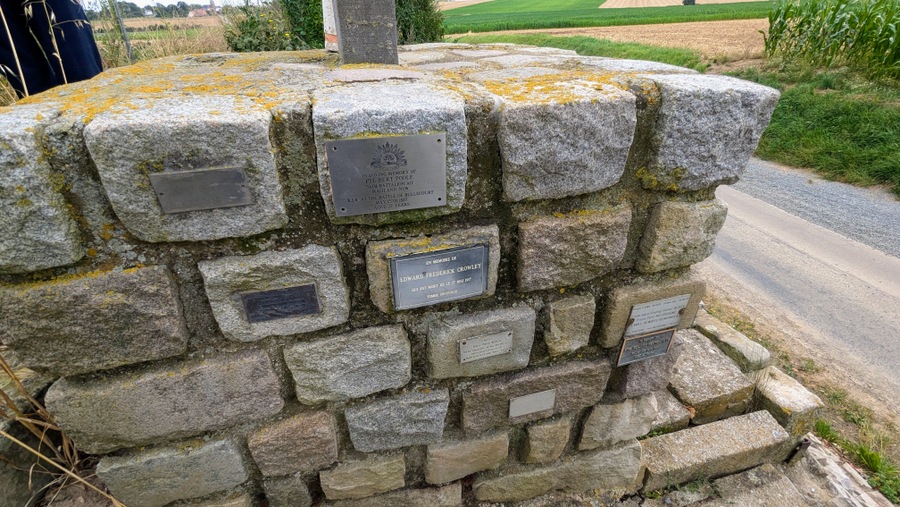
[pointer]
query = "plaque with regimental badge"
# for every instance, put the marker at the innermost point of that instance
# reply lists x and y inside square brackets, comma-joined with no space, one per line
[275,304]
[485,346]
[202,189]
[648,346]
[656,315]
[383,174]
[531,403]
[436,277]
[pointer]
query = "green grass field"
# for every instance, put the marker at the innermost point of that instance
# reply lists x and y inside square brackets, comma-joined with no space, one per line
[500,15]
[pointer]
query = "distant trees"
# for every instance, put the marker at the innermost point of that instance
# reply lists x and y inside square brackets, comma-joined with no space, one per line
[132,10]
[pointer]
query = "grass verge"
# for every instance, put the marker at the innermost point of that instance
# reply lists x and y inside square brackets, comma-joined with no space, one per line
[590,46]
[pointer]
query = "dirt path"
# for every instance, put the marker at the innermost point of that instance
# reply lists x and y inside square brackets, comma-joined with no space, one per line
[446,5]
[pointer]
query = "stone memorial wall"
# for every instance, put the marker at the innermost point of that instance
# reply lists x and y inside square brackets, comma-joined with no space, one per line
[463,278]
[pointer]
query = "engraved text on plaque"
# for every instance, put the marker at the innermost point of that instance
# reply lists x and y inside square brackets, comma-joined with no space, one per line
[656,315]
[648,346]
[435,277]
[482,347]
[281,303]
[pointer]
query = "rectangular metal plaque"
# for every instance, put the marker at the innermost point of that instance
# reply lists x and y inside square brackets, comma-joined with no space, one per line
[436,277]
[482,347]
[203,189]
[281,303]
[656,315]
[382,174]
[648,346]
[531,403]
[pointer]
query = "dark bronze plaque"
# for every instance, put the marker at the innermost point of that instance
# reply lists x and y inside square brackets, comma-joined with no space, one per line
[648,346]
[435,277]
[203,189]
[381,174]
[281,303]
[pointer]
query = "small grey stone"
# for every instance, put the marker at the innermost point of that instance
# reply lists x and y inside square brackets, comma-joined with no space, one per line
[749,355]
[301,443]
[568,250]
[418,57]
[789,402]
[240,500]
[610,423]
[38,231]
[166,401]
[288,491]
[447,496]
[364,478]
[679,234]
[450,461]
[547,440]
[180,134]
[446,334]
[226,278]
[672,415]
[95,321]
[161,476]
[350,365]
[414,418]
[649,375]
[570,322]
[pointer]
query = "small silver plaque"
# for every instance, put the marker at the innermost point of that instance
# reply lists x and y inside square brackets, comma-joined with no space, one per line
[531,403]
[656,315]
[482,347]
[382,174]
[435,277]
[648,346]
[203,189]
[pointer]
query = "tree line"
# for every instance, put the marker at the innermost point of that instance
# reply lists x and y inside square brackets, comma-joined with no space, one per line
[132,10]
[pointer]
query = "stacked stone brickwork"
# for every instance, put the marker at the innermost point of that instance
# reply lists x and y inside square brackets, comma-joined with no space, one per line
[588,182]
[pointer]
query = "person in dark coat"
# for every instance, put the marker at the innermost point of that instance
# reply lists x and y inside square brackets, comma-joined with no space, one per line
[34,32]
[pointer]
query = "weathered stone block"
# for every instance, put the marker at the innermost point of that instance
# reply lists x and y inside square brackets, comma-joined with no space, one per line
[707,129]
[613,471]
[449,461]
[39,232]
[289,491]
[414,418]
[569,325]
[379,253]
[768,485]
[161,476]
[713,450]
[749,355]
[672,415]
[547,440]
[300,443]
[447,496]
[174,135]
[390,108]
[227,278]
[568,250]
[649,375]
[364,478]
[240,500]
[610,423]
[367,31]
[791,404]
[680,234]
[94,322]
[166,402]
[617,305]
[446,334]
[707,381]
[578,384]
[350,365]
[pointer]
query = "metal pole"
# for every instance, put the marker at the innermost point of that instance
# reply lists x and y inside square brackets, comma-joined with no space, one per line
[118,15]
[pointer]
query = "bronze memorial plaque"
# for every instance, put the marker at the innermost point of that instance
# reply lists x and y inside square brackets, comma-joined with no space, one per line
[648,346]
[436,277]
[203,189]
[382,174]
[275,304]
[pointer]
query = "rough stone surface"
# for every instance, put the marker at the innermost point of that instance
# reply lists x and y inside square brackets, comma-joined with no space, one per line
[244,500]
[301,443]
[414,418]
[707,381]
[610,423]
[17,484]
[792,405]
[578,384]
[749,355]
[568,250]
[713,450]
[165,402]
[711,145]
[680,234]
[367,31]
[447,496]
[379,253]
[614,470]
[350,365]
[570,322]
[288,491]
[617,305]
[603,116]
[161,476]
[450,461]
[390,108]
[39,232]
[621,65]
[226,278]
[649,375]
[547,440]
[758,487]
[672,415]
[182,134]
[94,322]
[445,335]
[364,478]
